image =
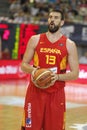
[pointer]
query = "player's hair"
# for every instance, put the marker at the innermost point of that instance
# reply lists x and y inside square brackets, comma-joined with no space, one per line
[58,11]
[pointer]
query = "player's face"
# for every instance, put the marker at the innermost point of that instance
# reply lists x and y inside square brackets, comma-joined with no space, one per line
[54,22]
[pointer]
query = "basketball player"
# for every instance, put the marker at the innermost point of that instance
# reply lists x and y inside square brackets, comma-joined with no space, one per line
[45,108]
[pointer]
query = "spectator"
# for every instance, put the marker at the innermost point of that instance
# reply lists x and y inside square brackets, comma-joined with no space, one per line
[21,17]
[14,7]
[83,59]
[6,54]
[36,10]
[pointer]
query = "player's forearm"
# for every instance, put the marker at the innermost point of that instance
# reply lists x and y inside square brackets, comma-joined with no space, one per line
[68,76]
[27,68]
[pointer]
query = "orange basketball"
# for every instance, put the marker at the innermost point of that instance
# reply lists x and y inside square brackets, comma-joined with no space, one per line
[42,78]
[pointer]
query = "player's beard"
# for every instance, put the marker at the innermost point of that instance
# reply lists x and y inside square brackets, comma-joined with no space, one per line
[53,28]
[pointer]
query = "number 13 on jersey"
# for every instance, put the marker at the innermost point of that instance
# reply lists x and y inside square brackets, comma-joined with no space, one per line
[50,59]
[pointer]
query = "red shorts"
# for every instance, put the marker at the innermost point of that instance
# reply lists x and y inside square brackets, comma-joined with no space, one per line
[44,111]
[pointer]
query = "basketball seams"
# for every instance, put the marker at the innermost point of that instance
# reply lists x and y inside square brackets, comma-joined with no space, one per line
[46,85]
[42,74]
[47,80]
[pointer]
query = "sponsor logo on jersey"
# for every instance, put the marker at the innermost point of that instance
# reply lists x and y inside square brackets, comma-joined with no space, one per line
[41,42]
[28,122]
[54,69]
[28,119]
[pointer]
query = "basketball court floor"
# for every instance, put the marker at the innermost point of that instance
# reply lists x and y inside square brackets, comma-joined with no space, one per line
[12,93]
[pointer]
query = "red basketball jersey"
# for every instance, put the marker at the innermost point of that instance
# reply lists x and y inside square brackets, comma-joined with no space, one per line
[53,56]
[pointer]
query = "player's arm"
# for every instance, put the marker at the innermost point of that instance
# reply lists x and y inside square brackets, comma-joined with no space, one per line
[73,64]
[72,61]
[28,55]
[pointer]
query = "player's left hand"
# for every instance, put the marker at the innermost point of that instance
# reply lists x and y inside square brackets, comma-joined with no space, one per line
[54,78]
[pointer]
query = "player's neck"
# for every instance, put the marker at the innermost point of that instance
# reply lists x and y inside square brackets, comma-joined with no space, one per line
[53,36]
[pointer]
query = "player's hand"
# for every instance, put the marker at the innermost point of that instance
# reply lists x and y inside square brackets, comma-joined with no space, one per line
[32,74]
[54,78]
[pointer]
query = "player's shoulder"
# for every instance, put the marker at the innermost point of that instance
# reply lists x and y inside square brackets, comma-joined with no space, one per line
[35,37]
[70,42]
[33,41]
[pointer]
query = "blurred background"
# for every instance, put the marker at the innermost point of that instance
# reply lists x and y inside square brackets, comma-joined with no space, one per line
[19,20]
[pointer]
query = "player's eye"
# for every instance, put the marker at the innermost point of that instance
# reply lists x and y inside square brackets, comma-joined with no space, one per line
[56,17]
[50,17]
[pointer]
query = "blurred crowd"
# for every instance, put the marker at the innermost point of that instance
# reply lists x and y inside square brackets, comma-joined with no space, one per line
[36,11]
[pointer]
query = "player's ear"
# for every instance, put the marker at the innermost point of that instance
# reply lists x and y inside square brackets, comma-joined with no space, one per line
[62,22]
